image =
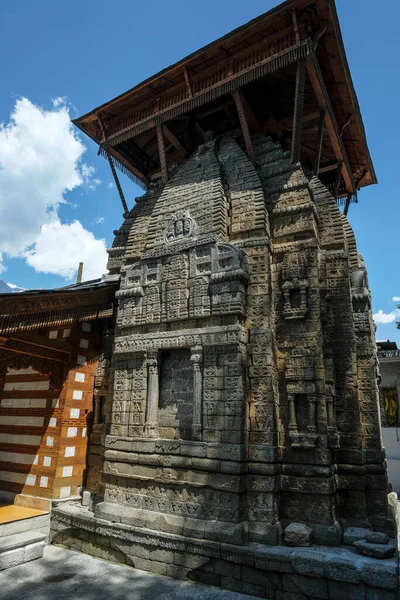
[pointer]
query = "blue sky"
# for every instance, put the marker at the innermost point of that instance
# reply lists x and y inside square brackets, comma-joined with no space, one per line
[65,58]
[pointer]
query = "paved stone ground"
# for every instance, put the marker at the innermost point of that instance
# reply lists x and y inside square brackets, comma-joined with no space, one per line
[67,575]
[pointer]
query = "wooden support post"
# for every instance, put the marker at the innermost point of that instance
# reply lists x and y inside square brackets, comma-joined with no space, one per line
[161,152]
[324,102]
[298,110]
[347,204]
[117,183]
[244,125]
[188,84]
[295,26]
[320,136]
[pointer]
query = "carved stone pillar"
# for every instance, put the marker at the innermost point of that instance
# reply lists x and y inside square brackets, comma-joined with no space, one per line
[311,428]
[151,425]
[330,413]
[292,414]
[197,359]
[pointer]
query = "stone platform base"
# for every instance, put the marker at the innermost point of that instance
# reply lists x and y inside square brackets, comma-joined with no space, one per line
[278,572]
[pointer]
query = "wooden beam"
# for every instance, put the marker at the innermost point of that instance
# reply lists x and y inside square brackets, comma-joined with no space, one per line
[244,125]
[324,102]
[201,131]
[295,25]
[127,164]
[287,123]
[248,111]
[321,125]
[188,84]
[117,183]
[175,141]
[161,152]
[347,204]
[298,110]
[329,167]
[110,155]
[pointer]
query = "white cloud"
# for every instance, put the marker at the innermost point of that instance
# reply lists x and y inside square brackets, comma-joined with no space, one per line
[382,318]
[396,299]
[59,101]
[110,185]
[75,244]
[41,160]
[99,220]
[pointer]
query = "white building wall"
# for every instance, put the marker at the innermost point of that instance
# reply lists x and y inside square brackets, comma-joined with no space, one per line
[390,372]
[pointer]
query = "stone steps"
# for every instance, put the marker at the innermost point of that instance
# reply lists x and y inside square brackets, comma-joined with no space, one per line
[20,548]
[39,523]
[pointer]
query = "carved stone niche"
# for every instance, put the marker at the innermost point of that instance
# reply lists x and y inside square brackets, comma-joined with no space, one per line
[295,285]
[360,295]
[228,280]
[301,393]
[130,296]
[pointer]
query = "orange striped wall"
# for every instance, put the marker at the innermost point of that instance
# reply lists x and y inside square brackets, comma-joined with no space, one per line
[43,432]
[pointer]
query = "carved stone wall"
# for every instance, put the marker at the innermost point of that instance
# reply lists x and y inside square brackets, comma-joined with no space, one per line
[244,370]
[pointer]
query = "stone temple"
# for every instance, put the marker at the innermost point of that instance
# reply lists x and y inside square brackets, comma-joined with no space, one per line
[236,417]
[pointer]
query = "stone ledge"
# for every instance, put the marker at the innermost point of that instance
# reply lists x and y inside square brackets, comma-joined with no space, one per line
[333,564]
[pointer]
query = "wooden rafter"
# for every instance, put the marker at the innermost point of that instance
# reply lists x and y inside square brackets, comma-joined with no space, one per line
[161,151]
[298,110]
[320,135]
[249,113]
[324,102]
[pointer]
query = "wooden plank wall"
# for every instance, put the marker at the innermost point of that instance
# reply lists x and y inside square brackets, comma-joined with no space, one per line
[44,432]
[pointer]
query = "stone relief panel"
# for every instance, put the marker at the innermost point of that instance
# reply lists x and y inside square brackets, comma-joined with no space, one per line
[175,412]
[295,285]
[182,226]
[208,279]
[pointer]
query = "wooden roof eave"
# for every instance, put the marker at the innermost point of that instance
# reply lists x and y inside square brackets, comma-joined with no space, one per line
[185,62]
[347,76]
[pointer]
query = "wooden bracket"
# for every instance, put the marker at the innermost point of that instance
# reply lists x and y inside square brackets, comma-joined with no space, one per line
[175,141]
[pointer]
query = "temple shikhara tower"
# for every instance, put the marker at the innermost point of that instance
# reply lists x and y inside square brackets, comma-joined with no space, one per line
[235,379]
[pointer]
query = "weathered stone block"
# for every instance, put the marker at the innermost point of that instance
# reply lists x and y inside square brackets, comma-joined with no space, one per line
[375,537]
[375,550]
[297,534]
[309,586]
[353,534]
[246,588]
[226,532]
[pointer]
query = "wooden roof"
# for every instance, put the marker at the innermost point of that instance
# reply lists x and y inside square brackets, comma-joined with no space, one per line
[259,57]
[34,309]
